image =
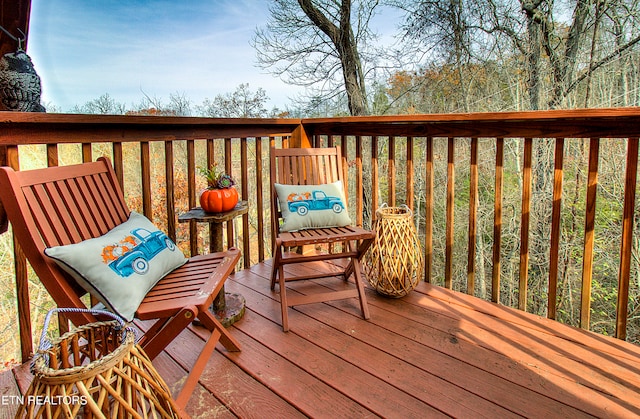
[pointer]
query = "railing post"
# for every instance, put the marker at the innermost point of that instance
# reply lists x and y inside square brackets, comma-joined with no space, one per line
[22,280]
[300,138]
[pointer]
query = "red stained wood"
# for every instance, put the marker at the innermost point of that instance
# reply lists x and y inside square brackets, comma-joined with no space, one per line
[473,210]
[497,221]
[434,352]
[305,166]
[627,238]
[259,200]
[589,234]
[428,212]
[525,217]
[451,182]
[64,205]
[555,228]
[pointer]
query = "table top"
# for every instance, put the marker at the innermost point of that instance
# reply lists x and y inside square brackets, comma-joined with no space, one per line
[199,215]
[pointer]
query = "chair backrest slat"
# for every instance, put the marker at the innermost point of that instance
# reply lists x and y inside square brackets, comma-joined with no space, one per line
[59,206]
[303,166]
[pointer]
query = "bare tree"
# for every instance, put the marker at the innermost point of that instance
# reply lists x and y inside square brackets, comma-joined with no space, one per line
[243,103]
[319,43]
[104,105]
[179,105]
[563,42]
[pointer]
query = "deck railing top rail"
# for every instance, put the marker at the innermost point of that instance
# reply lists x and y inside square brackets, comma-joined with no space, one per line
[17,128]
[585,123]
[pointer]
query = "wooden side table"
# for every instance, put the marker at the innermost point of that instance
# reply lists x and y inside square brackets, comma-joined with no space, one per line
[227,307]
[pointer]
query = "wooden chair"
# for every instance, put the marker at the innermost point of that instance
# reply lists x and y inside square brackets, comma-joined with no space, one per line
[69,204]
[311,166]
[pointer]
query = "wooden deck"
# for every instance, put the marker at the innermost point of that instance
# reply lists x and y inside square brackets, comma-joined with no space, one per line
[432,353]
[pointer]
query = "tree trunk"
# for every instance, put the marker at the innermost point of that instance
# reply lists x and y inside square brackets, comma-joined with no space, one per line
[533,56]
[344,41]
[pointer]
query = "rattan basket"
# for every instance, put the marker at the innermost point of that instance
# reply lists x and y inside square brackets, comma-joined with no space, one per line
[394,262]
[98,371]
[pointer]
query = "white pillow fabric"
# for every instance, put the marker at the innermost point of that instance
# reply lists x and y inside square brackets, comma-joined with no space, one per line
[120,267]
[312,206]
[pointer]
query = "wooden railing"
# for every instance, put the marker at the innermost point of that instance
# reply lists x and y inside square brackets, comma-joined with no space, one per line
[505,204]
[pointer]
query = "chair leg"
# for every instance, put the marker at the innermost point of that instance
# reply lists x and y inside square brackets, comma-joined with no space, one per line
[283,299]
[277,256]
[209,321]
[357,273]
[165,330]
[197,369]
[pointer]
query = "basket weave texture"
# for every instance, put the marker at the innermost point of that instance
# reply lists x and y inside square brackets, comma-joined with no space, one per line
[394,262]
[97,371]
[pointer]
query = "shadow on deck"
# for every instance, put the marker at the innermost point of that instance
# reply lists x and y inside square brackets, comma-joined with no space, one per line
[432,353]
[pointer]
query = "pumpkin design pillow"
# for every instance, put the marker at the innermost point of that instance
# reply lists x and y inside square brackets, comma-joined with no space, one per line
[120,267]
[312,206]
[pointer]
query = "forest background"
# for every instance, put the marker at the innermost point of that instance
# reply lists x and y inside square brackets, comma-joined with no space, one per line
[451,56]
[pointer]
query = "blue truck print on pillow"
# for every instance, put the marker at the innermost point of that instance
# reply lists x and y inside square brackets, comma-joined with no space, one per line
[316,200]
[134,252]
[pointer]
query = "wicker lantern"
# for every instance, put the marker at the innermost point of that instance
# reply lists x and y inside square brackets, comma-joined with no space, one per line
[394,262]
[96,370]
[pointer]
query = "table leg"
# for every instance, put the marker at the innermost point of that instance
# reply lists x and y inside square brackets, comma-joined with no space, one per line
[227,307]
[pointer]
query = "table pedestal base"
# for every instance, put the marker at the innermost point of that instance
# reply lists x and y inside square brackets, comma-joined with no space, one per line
[227,307]
[232,311]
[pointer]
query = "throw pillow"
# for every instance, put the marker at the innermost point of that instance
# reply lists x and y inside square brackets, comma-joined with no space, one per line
[120,267]
[312,206]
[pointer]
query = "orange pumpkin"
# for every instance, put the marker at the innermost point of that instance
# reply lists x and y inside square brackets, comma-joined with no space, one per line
[218,200]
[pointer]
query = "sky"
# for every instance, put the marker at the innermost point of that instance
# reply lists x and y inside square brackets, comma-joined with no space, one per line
[200,48]
[83,49]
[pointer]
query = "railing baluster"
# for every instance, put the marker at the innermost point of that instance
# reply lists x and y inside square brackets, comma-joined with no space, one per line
[497,221]
[145,171]
[375,173]
[87,153]
[391,172]
[525,218]
[473,213]
[359,184]
[345,165]
[589,233]
[428,213]
[451,181]
[169,167]
[410,175]
[191,192]
[52,155]
[228,167]
[554,256]
[260,208]
[244,170]
[118,165]
[626,247]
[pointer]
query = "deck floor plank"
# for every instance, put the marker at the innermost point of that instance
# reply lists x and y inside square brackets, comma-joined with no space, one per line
[310,395]
[202,403]
[424,386]
[606,375]
[227,381]
[432,353]
[546,355]
[342,369]
[9,394]
[484,381]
